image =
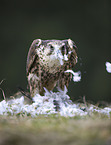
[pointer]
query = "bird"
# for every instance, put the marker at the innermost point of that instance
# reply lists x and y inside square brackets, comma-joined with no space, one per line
[47,61]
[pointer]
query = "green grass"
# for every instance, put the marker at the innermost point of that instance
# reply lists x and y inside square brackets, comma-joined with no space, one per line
[52,130]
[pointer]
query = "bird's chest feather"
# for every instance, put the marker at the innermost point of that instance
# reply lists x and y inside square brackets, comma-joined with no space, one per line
[52,65]
[50,62]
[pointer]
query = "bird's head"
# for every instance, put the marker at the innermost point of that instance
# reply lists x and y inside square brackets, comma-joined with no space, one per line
[56,51]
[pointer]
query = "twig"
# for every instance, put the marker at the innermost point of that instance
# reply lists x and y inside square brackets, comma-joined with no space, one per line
[2,81]
[3,93]
[25,94]
[84,100]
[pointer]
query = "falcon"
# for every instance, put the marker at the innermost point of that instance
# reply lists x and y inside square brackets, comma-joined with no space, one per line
[47,62]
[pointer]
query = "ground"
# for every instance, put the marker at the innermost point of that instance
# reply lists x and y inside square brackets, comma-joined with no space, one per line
[84,124]
[53,130]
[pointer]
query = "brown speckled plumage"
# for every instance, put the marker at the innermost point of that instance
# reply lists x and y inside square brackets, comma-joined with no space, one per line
[45,67]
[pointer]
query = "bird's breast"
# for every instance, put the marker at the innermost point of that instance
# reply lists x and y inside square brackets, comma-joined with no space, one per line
[51,63]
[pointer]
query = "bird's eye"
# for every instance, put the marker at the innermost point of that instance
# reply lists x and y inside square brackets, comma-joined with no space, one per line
[64,50]
[51,47]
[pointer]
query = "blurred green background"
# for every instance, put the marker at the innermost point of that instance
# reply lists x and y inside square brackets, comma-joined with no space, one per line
[85,22]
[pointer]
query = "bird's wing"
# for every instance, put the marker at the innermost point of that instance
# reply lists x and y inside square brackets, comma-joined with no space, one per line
[64,80]
[32,57]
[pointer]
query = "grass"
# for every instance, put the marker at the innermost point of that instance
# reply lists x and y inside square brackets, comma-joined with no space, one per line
[54,130]
[20,129]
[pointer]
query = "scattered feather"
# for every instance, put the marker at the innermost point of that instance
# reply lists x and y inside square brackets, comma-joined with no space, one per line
[76,75]
[108,67]
[45,105]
